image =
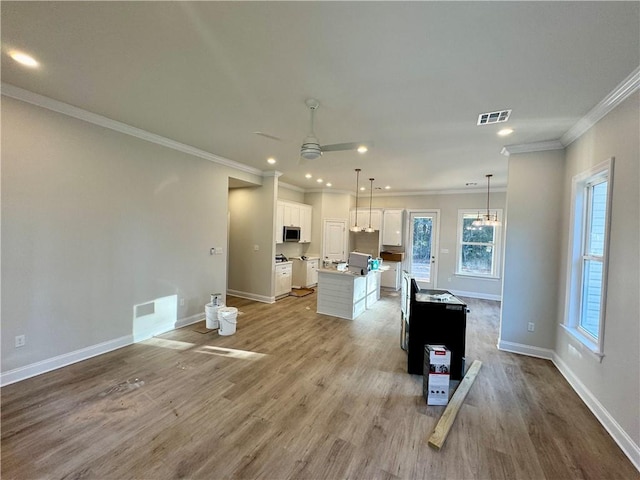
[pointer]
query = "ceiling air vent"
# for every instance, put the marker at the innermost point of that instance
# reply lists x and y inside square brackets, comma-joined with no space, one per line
[493,117]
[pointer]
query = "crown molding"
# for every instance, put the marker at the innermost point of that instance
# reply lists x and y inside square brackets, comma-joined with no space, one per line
[272,173]
[291,187]
[532,147]
[27,96]
[619,94]
[329,190]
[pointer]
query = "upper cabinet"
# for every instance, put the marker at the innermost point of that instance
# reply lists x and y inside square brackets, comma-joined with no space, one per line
[292,214]
[392,227]
[363,218]
[305,223]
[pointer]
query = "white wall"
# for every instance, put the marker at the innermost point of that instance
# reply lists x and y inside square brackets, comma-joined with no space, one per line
[251,226]
[537,245]
[95,222]
[614,383]
[530,285]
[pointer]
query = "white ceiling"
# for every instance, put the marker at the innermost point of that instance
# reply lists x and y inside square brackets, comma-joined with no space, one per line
[411,77]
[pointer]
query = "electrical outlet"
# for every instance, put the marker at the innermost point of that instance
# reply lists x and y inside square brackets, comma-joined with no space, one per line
[20,341]
[531,327]
[182,302]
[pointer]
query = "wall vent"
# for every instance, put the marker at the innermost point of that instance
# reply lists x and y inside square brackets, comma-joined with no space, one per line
[493,117]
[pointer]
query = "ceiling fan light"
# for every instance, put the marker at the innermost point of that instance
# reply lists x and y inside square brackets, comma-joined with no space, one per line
[310,151]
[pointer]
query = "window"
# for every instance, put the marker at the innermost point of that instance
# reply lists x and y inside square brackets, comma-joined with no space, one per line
[478,247]
[591,199]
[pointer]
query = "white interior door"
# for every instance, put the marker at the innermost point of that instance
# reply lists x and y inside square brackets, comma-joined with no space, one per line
[423,246]
[334,243]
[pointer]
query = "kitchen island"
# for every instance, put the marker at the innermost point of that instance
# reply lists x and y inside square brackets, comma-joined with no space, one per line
[346,295]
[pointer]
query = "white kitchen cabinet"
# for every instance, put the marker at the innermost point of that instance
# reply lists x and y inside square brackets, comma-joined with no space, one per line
[279,235]
[283,276]
[305,223]
[291,214]
[391,278]
[305,272]
[363,218]
[392,222]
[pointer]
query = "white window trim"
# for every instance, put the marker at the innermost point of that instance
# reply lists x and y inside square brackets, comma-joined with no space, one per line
[573,300]
[495,275]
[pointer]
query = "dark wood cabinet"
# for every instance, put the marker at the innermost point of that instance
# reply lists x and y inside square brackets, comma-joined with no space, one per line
[438,318]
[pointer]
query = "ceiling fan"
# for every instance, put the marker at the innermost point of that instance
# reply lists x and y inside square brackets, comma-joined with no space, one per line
[311,148]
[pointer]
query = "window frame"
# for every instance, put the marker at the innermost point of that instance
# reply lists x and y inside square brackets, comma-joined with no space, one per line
[496,245]
[582,186]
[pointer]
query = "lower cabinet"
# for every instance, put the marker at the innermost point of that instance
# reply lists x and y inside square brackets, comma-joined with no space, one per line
[391,278]
[283,279]
[305,272]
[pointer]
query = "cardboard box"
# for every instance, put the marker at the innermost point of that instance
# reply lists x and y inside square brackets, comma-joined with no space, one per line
[436,376]
[392,256]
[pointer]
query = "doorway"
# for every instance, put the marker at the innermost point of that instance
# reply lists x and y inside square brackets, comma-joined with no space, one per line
[334,242]
[423,245]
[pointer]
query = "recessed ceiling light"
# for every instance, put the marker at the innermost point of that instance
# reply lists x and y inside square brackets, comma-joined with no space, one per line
[319,180]
[24,59]
[505,131]
[363,149]
[387,187]
[328,184]
[308,175]
[362,189]
[271,160]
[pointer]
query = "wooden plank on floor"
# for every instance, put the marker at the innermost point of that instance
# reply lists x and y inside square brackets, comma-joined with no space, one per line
[439,435]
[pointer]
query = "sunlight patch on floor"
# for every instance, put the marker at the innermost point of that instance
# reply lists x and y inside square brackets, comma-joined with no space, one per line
[230,353]
[171,344]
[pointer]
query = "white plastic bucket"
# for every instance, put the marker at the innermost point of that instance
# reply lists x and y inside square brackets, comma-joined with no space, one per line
[211,315]
[227,318]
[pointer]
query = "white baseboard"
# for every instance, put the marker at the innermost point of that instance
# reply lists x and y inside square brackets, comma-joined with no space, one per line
[482,296]
[523,349]
[251,296]
[624,441]
[44,366]
[28,371]
[183,322]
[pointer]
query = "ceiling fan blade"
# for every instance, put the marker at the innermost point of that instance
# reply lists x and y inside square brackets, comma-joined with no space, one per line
[336,147]
[270,137]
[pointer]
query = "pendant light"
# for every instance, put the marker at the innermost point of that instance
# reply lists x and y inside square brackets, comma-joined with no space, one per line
[355,228]
[488,219]
[370,228]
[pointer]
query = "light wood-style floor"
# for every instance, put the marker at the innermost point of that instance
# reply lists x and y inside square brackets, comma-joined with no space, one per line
[298,395]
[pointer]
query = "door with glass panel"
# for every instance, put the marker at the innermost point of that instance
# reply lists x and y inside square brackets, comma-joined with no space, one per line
[423,239]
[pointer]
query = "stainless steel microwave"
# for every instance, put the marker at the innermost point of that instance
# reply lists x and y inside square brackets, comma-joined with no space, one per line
[291,234]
